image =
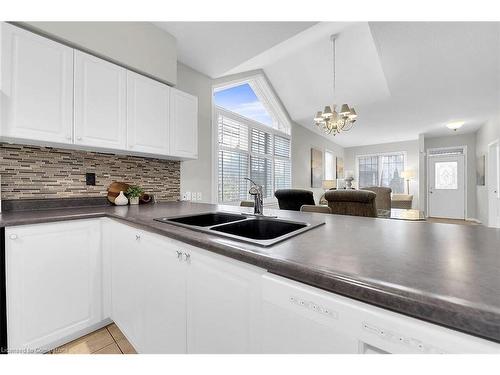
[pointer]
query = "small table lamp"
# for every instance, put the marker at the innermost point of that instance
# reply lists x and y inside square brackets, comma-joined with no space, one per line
[408,174]
[349,178]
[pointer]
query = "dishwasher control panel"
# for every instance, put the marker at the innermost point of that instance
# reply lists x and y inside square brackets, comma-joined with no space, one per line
[398,338]
[320,309]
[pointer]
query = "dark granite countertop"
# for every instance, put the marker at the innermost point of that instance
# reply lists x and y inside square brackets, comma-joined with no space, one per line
[442,273]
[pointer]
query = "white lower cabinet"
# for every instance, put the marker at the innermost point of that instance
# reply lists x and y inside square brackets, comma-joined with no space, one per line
[169,297]
[148,290]
[53,283]
[64,279]
[223,305]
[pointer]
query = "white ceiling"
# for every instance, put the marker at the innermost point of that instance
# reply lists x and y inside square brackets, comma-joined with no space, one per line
[404,78]
[213,48]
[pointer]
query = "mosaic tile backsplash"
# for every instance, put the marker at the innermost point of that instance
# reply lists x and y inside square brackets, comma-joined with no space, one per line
[31,172]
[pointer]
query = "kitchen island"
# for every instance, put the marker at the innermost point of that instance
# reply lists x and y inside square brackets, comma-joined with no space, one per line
[440,273]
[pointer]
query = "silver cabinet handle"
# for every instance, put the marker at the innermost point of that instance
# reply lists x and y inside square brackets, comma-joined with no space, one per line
[187,257]
[179,254]
[137,237]
[13,236]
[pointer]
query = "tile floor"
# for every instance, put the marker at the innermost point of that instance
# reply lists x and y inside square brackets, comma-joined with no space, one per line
[107,340]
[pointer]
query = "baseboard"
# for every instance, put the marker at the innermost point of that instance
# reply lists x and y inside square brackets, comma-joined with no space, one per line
[473,220]
[76,335]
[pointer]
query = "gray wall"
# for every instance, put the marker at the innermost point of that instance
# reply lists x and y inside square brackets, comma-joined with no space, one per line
[412,153]
[140,46]
[468,140]
[302,142]
[488,133]
[196,175]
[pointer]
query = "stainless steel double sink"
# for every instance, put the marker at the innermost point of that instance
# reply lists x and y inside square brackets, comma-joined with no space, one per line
[258,230]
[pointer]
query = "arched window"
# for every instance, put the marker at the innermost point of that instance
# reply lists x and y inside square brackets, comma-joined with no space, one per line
[253,140]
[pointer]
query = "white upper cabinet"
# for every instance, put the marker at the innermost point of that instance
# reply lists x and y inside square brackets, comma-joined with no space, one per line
[100,102]
[37,87]
[53,94]
[183,124]
[148,103]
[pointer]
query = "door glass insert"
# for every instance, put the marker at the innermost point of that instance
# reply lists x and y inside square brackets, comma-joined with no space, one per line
[446,175]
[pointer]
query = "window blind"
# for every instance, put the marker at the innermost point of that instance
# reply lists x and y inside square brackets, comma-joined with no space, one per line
[232,134]
[261,142]
[233,168]
[248,150]
[281,146]
[261,173]
[282,174]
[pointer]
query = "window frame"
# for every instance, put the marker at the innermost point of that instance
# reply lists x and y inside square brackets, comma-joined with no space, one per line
[250,124]
[378,155]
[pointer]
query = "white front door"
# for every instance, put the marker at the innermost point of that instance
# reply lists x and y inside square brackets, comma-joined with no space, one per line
[447,186]
[493,179]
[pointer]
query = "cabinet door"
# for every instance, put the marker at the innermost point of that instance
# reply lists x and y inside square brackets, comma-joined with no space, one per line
[163,302]
[53,282]
[100,102]
[148,115]
[37,87]
[148,290]
[126,278]
[183,124]
[223,299]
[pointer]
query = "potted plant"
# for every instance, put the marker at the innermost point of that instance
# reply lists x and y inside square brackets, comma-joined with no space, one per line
[133,193]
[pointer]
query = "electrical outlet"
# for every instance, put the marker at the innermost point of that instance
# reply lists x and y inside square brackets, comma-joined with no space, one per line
[90,179]
[198,196]
[186,196]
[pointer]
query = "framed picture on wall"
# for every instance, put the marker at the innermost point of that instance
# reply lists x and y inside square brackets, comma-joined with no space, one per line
[316,168]
[340,167]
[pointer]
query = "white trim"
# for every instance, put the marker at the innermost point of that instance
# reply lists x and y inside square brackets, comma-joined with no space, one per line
[428,156]
[473,220]
[268,98]
[488,186]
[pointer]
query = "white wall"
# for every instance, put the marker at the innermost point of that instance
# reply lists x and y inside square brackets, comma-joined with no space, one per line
[412,160]
[140,46]
[302,141]
[469,140]
[196,175]
[488,133]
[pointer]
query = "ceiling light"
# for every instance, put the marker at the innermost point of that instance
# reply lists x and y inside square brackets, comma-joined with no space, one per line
[455,125]
[331,121]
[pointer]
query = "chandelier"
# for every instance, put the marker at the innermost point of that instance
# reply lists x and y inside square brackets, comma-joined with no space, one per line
[331,121]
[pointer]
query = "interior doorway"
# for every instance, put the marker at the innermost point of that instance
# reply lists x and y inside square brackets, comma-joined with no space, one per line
[446,187]
[493,179]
